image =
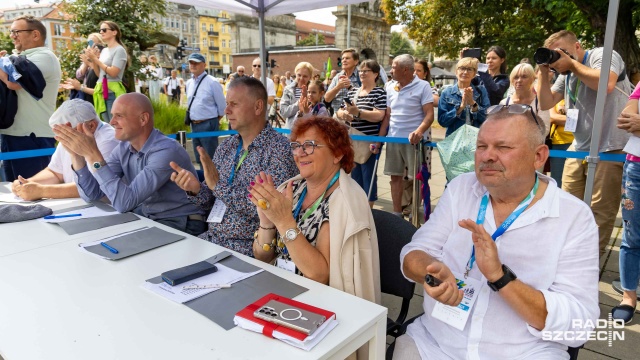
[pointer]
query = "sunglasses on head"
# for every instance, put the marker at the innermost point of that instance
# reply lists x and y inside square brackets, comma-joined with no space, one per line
[513,109]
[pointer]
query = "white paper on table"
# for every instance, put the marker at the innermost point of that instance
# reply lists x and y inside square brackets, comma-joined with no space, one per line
[224,275]
[308,343]
[82,246]
[85,213]
[12,198]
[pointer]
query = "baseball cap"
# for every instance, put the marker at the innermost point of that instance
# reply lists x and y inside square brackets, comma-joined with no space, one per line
[196,57]
[75,112]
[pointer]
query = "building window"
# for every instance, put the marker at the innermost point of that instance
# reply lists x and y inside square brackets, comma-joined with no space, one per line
[204,43]
[224,58]
[57,29]
[193,25]
[184,25]
[211,27]
[204,27]
[224,43]
[229,28]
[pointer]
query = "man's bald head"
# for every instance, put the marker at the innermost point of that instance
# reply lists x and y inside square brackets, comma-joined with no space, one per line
[132,119]
[138,102]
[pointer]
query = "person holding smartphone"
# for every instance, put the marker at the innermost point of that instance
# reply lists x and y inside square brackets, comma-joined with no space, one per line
[366,115]
[495,78]
[86,79]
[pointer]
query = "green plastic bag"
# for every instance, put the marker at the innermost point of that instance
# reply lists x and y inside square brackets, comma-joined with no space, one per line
[457,151]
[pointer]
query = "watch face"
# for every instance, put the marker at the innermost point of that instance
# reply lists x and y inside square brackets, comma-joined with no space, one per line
[291,234]
[96,165]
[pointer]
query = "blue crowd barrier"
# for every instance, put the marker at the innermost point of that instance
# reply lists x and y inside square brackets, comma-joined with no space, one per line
[552,153]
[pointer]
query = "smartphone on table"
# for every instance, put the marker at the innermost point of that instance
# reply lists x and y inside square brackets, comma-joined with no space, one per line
[290,317]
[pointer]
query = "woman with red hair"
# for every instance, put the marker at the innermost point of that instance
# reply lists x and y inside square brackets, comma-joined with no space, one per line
[319,224]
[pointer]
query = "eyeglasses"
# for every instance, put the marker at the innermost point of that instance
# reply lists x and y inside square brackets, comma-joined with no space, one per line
[513,109]
[364,71]
[103,30]
[17,32]
[308,147]
[258,66]
[467,69]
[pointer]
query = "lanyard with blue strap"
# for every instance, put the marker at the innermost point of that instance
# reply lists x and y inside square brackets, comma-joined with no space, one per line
[296,211]
[574,97]
[505,225]
[237,162]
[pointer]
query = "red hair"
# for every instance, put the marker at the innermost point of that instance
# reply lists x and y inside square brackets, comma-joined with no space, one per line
[333,133]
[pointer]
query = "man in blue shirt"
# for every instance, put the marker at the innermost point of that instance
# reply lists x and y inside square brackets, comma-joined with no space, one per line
[206,103]
[135,176]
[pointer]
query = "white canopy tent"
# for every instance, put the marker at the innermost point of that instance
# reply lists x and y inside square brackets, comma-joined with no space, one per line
[262,8]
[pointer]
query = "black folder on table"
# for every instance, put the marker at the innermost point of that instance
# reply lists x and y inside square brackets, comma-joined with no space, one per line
[133,243]
[222,305]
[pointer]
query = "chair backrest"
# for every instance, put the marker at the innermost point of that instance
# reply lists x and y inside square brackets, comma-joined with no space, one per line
[393,233]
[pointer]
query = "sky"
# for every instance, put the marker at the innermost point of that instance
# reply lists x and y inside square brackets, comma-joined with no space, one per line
[321,16]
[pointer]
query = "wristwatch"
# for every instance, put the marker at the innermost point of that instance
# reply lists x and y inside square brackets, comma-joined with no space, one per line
[99,164]
[504,280]
[474,107]
[290,235]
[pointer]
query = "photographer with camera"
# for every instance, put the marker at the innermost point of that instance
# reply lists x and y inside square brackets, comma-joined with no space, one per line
[578,85]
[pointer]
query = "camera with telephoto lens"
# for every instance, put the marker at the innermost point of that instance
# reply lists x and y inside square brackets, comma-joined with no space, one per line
[544,56]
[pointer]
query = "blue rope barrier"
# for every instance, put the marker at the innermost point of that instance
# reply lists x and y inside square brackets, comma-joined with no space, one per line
[26,154]
[370,138]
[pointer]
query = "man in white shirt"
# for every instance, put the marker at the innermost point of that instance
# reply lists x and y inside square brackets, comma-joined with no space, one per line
[56,181]
[172,87]
[256,67]
[545,236]
[289,78]
[410,115]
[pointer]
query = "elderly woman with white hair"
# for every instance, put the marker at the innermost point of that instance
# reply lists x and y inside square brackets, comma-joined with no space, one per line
[522,79]
[289,107]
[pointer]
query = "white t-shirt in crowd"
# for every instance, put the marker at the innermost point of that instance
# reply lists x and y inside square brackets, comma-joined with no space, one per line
[406,106]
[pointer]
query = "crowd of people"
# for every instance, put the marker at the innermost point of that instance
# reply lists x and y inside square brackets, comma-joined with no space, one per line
[303,203]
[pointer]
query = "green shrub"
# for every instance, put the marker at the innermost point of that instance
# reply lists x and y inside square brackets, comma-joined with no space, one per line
[169,117]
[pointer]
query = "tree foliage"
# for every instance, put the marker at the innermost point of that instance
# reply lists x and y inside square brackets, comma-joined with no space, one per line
[311,40]
[70,59]
[400,45]
[445,26]
[6,43]
[134,17]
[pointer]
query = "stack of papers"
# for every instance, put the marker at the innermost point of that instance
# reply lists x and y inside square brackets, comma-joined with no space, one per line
[224,275]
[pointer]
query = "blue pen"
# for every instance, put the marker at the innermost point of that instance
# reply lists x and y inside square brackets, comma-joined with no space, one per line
[49,217]
[110,248]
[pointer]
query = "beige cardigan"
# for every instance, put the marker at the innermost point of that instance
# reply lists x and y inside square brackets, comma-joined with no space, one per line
[354,265]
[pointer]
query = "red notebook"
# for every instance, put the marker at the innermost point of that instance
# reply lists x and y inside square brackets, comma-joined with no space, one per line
[291,336]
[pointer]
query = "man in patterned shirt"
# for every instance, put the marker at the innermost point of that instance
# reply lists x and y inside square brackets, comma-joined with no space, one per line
[257,147]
